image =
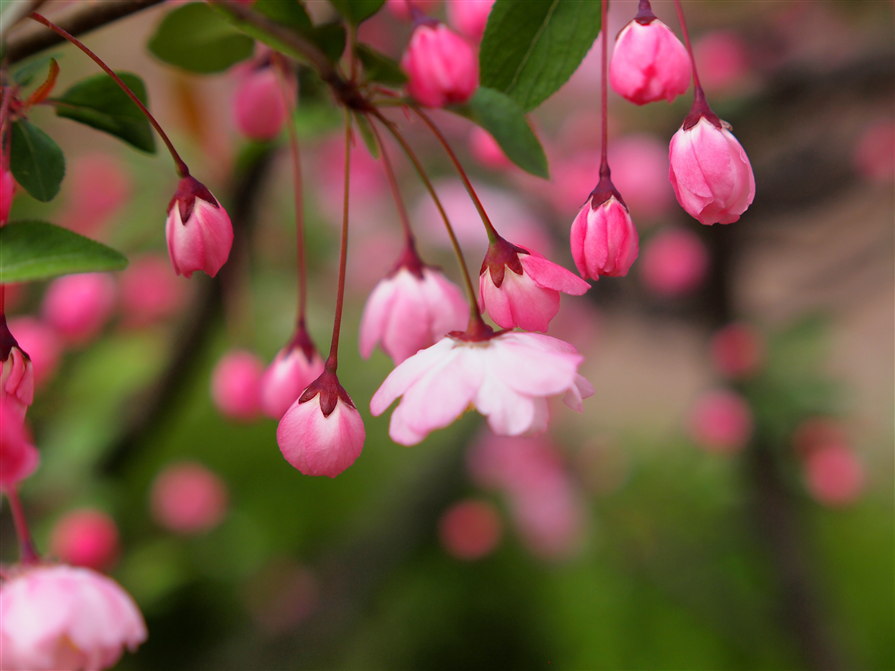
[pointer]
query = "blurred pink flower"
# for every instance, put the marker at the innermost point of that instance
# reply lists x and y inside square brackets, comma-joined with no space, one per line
[469,529]
[737,351]
[42,344]
[78,306]
[18,457]
[402,8]
[640,171]
[236,385]
[834,475]
[97,186]
[874,153]
[198,230]
[674,262]
[469,16]
[149,293]
[442,68]
[486,149]
[85,537]
[721,421]
[259,104]
[723,61]
[187,498]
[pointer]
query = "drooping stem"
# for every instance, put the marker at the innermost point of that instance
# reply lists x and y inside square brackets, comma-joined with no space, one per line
[332,361]
[697,87]
[604,92]
[489,227]
[393,185]
[182,168]
[475,316]
[26,545]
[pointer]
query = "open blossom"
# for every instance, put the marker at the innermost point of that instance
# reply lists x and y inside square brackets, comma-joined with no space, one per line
[507,378]
[603,238]
[18,457]
[709,170]
[442,68]
[322,433]
[409,310]
[259,105]
[292,370]
[56,617]
[198,230]
[16,372]
[521,288]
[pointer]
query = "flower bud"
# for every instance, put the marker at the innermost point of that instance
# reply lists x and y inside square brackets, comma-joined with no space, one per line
[187,498]
[236,385]
[42,344]
[674,263]
[292,370]
[834,475]
[259,105]
[7,188]
[469,16]
[85,537]
[198,230]
[649,63]
[710,172]
[442,68]
[16,372]
[603,238]
[18,457]
[721,421]
[470,529]
[78,306]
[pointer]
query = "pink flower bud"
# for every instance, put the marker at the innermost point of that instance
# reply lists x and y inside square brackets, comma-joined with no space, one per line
[322,433]
[470,16]
[97,186]
[85,537]
[7,189]
[649,63]
[259,104]
[292,370]
[16,372]
[187,498]
[409,310]
[236,385]
[521,288]
[469,529]
[486,149]
[403,9]
[63,617]
[737,351]
[42,345]
[603,237]
[721,421]
[723,61]
[198,230]
[18,457]
[834,475]
[442,68]
[710,172]
[549,515]
[674,263]
[149,293]
[78,306]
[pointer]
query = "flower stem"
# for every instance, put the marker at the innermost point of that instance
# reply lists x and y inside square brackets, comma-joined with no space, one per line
[697,87]
[604,92]
[26,545]
[393,185]
[332,361]
[182,168]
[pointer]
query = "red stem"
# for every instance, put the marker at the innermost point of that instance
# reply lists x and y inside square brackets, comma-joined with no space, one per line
[332,361]
[604,92]
[697,87]
[182,168]
[26,545]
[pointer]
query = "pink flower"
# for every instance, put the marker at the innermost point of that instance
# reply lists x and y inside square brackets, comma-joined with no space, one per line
[236,385]
[737,351]
[187,498]
[98,187]
[834,475]
[60,617]
[259,105]
[85,537]
[7,189]
[16,372]
[603,238]
[78,306]
[521,288]
[469,529]
[674,263]
[470,16]
[649,63]
[486,149]
[322,433]
[198,230]
[721,421]
[442,68]
[404,9]
[640,171]
[292,370]
[41,343]
[710,172]
[507,378]
[409,310]
[18,457]
[149,293]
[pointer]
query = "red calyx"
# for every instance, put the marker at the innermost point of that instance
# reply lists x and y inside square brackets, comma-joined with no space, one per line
[501,255]
[330,391]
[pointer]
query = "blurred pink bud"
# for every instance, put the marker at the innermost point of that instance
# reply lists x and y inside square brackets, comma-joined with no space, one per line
[18,457]
[198,230]
[469,16]
[723,62]
[710,172]
[442,68]
[78,306]
[410,310]
[834,475]
[549,516]
[96,188]
[7,189]
[322,433]
[721,421]
[737,351]
[874,153]
[403,9]
[521,288]
[640,171]
[85,537]
[236,385]
[42,344]
[16,371]
[603,238]
[149,293]
[259,105]
[469,529]
[486,149]
[506,377]
[649,63]
[674,263]
[292,370]
[187,498]
[64,617]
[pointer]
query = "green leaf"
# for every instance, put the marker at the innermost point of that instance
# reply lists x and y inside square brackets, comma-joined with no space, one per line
[366,132]
[98,102]
[25,74]
[36,250]
[197,38]
[357,11]
[504,119]
[530,49]
[380,68]
[289,14]
[37,162]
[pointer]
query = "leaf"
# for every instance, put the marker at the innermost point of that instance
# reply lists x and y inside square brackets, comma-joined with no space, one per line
[505,120]
[197,38]
[380,68]
[366,133]
[25,74]
[37,162]
[36,250]
[530,49]
[357,11]
[98,102]
[289,14]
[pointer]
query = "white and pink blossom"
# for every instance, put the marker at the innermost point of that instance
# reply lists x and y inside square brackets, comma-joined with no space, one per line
[198,230]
